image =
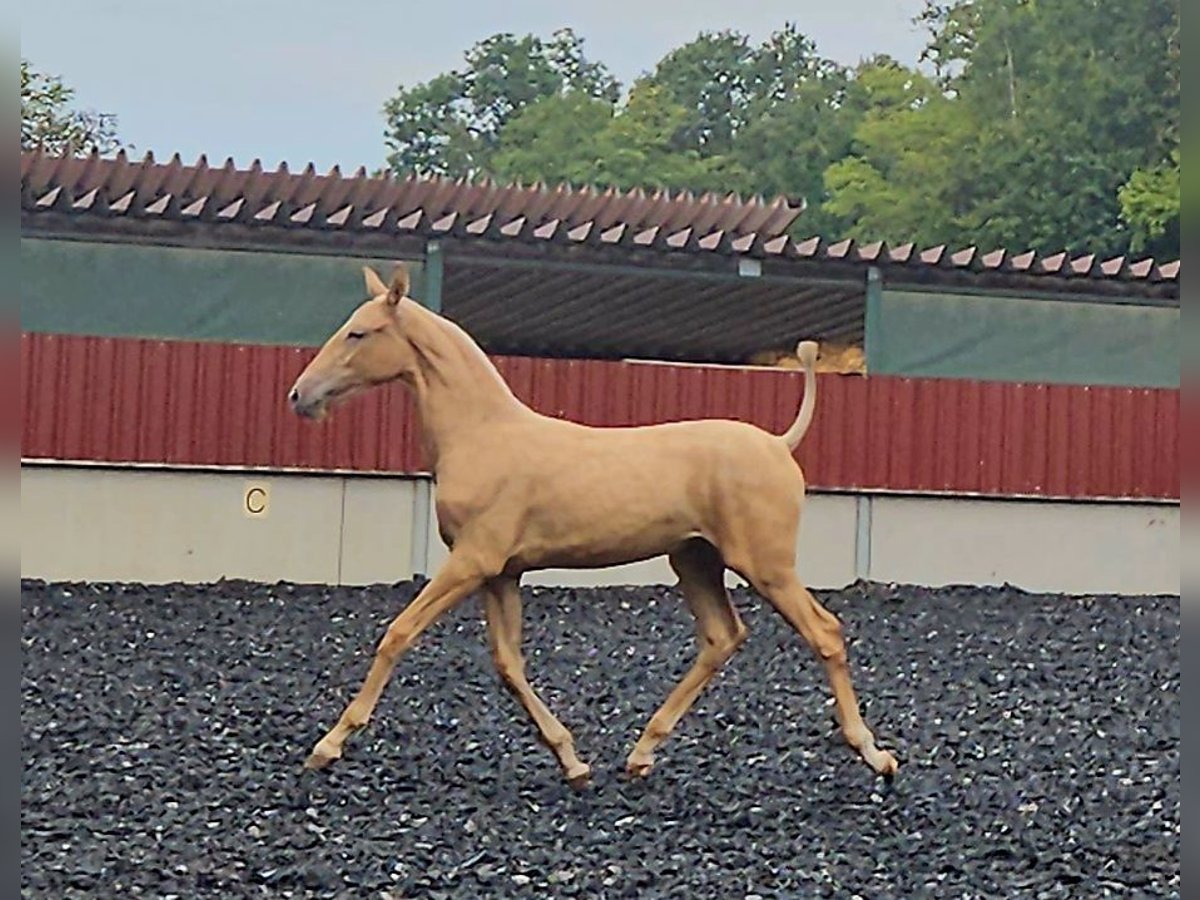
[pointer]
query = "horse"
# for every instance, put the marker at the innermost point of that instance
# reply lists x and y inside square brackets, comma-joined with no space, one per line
[518,491]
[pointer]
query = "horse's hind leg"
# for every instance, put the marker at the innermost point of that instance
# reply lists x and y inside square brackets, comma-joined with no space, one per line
[823,632]
[719,631]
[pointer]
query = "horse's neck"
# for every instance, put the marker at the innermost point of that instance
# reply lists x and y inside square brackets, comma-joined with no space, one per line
[457,387]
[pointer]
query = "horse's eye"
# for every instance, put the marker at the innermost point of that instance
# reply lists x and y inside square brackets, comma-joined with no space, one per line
[356,335]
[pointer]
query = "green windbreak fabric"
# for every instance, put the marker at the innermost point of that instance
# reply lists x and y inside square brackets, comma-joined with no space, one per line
[1021,339]
[130,290]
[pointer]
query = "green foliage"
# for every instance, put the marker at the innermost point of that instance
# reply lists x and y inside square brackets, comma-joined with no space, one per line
[48,121]
[451,124]
[1070,99]
[1042,125]
[711,79]
[904,179]
[577,139]
[774,115]
[1150,204]
[1043,111]
[799,122]
[644,148]
[558,139]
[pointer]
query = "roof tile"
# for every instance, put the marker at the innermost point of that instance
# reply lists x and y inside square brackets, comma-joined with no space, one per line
[1082,265]
[680,222]
[480,225]
[962,257]
[411,221]
[679,239]
[1142,268]
[1023,262]
[1053,263]
[840,250]
[646,237]
[514,228]
[870,252]
[808,247]
[933,255]
[1113,267]
[743,244]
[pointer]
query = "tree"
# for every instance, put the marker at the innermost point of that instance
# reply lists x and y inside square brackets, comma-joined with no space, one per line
[907,177]
[775,114]
[1150,205]
[49,122]
[711,79]
[1036,117]
[1068,104]
[1044,125]
[725,84]
[798,123]
[578,139]
[451,125]
[642,146]
[557,139]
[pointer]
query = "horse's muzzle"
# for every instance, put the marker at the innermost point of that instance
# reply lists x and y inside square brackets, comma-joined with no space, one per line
[309,408]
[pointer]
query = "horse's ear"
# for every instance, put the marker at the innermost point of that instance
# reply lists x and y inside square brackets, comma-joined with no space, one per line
[399,289]
[375,285]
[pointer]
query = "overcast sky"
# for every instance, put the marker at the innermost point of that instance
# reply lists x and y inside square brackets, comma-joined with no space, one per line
[300,81]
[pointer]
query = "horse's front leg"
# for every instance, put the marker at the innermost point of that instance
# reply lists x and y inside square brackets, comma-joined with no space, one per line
[456,580]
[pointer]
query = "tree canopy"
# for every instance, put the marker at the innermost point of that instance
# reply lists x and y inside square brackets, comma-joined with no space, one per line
[451,125]
[1028,125]
[48,119]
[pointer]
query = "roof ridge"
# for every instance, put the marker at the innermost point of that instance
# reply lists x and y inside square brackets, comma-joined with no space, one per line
[663,219]
[39,167]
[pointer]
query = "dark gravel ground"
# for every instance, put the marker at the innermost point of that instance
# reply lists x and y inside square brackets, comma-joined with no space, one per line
[164,728]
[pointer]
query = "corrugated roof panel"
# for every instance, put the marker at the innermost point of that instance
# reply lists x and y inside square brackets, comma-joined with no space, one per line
[670,222]
[624,315]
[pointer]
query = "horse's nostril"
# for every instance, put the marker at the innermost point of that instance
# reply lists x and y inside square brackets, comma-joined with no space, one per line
[293,396]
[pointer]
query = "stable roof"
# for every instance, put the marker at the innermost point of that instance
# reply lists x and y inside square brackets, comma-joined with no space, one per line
[562,270]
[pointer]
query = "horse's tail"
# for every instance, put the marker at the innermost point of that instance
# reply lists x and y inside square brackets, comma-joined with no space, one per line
[806,352]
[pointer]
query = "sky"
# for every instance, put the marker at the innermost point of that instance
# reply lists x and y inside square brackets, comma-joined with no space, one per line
[298,81]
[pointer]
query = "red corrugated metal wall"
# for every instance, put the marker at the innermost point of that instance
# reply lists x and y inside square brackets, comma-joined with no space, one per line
[183,403]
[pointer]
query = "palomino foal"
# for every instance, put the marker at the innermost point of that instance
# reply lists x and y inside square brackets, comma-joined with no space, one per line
[518,491]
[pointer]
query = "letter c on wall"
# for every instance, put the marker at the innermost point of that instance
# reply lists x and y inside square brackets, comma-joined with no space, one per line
[256,500]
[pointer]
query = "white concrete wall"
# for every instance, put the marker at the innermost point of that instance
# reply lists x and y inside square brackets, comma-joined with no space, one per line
[377,531]
[91,524]
[99,524]
[1062,547]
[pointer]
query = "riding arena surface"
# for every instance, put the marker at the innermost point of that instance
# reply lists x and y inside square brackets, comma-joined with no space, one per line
[164,730]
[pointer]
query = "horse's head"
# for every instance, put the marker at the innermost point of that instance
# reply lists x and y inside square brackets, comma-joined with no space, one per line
[368,349]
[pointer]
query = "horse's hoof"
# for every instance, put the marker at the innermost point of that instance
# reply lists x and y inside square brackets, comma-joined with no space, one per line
[579,776]
[321,757]
[639,768]
[886,765]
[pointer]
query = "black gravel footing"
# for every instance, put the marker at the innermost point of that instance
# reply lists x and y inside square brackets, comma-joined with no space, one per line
[164,730]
